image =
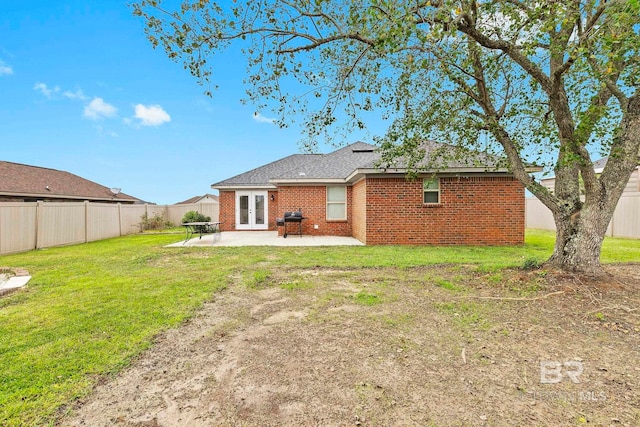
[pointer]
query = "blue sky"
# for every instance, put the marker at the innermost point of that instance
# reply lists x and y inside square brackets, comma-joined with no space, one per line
[82,90]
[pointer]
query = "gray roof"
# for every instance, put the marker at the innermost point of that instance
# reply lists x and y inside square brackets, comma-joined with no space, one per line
[344,162]
[262,175]
[338,164]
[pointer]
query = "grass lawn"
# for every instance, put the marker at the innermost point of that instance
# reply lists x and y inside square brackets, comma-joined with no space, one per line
[90,309]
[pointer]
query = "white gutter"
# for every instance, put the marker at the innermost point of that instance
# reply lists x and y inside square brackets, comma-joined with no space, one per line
[244,187]
[309,181]
[380,172]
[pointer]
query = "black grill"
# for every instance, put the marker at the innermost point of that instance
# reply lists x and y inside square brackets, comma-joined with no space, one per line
[295,216]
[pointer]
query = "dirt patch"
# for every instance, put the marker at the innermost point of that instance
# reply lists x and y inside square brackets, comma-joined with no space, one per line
[425,346]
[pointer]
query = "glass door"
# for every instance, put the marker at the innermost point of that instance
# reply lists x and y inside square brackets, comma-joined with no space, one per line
[251,210]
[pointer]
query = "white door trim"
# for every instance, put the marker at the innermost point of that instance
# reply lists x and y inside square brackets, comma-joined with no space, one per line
[254,218]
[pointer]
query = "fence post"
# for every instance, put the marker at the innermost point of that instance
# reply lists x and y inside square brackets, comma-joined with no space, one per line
[39,219]
[86,221]
[120,217]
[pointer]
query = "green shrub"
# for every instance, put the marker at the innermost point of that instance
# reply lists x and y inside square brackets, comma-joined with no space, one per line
[193,216]
[158,222]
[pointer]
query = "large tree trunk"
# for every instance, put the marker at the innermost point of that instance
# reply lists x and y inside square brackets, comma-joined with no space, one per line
[579,241]
[580,232]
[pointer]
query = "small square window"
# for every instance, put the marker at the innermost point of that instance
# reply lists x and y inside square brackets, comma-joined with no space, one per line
[431,191]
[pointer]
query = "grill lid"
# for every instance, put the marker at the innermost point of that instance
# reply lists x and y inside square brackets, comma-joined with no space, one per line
[293,216]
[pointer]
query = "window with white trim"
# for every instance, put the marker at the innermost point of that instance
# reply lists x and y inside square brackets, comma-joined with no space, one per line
[431,191]
[337,203]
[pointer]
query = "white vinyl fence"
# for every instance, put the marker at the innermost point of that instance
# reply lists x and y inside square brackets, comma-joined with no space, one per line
[27,226]
[625,221]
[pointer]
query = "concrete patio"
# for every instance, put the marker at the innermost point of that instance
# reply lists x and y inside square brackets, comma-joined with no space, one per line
[267,238]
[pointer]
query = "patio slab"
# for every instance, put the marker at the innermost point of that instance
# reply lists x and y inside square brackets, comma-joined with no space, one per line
[267,238]
[11,284]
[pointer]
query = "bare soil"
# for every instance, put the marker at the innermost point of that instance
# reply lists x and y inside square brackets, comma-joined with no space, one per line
[443,346]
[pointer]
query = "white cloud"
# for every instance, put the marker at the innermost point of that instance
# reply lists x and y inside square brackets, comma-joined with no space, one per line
[262,119]
[151,115]
[78,94]
[5,70]
[45,90]
[98,109]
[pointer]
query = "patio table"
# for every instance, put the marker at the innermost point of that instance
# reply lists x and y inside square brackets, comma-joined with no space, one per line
[202,228]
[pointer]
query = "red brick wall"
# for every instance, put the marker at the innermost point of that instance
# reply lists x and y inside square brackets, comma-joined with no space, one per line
[313,202]
[472,211]
[480,210]
[359,210]
[227,210]
[273,209]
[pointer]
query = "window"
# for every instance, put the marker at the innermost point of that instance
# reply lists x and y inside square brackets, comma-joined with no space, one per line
[431,191]
[336,203]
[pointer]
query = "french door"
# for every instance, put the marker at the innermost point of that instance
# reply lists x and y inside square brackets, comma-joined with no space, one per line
[251,210]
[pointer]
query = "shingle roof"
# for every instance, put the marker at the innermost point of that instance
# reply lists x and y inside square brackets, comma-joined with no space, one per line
[340,164]
[19,180]
[262,174]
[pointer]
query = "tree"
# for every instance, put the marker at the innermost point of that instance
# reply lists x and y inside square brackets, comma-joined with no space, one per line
[546,81]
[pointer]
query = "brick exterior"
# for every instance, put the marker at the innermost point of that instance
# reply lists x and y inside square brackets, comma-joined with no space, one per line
[359,210]
[480,210]
[273,210]
[313,202]
[227,201]
[476,210]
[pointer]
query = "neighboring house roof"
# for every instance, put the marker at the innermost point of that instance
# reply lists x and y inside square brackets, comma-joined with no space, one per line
[632,186]
[33,182]
[197,199]
[349,163]
[598,167]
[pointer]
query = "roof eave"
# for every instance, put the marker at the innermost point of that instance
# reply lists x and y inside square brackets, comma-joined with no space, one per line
[65,196]
[307,181]
[359,173]
[228,187]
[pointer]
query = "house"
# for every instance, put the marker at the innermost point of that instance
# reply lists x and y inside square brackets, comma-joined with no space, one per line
[24,183]
[346,193]
[207,198]
[633,186]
